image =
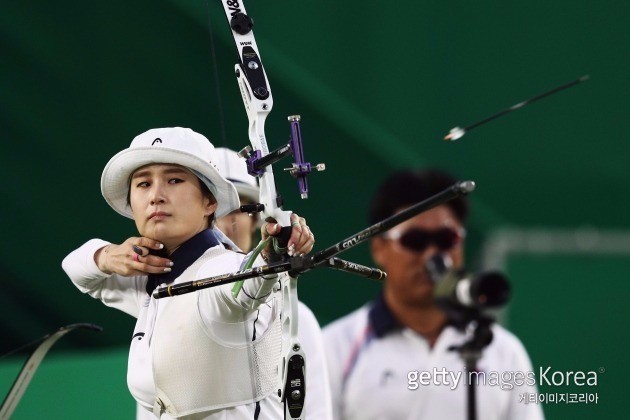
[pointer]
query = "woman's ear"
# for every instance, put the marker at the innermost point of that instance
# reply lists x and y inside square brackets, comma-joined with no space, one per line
[211,207]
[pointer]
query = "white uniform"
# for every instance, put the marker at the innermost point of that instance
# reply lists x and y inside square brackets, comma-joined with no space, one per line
[376,372]
[245,318]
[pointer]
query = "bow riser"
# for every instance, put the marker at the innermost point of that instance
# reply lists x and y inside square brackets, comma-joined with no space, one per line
[257,112]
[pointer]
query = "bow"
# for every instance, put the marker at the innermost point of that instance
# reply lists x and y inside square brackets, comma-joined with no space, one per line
[32,363]
[258,100]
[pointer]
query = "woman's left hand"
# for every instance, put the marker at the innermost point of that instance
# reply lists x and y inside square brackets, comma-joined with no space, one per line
[302,239]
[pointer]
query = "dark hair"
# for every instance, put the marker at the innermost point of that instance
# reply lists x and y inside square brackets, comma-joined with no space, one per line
[407,187]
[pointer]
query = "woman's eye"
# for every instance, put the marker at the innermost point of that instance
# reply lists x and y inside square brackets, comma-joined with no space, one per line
[175,181]
[142,184]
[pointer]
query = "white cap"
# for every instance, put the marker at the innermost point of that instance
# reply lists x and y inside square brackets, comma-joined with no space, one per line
[175,145]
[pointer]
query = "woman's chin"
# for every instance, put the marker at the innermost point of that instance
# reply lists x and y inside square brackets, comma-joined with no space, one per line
[158,233]
[170,237]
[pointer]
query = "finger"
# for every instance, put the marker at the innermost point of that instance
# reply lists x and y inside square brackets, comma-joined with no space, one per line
[148,243]
[267,227]
[305,246]
[309,239]
[300,234]
[144,268]
[296,233]
[138,250]
[271,229]
[297,222]
[158,262]
[149,264]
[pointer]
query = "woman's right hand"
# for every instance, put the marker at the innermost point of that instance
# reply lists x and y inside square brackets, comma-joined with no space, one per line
[131,258]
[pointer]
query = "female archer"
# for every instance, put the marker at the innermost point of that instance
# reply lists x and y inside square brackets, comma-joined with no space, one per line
[211,354]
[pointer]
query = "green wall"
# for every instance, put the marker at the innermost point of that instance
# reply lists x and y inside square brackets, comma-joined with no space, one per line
[378,84]
[74,385]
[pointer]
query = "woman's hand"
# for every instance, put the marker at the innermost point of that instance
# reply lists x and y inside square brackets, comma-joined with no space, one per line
[132,258]
[302,239]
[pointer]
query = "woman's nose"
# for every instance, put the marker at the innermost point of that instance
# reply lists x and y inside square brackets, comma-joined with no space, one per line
[157,194]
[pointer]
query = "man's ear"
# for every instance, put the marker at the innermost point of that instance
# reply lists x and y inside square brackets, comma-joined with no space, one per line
[378,250]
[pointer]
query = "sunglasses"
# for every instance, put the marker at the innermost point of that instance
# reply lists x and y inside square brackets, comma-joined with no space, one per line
[418,240]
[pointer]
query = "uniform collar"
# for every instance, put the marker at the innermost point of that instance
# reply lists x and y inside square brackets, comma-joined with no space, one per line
[183,257]
[381,318]
[383,321]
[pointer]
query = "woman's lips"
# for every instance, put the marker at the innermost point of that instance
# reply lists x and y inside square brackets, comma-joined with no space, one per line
[158,215]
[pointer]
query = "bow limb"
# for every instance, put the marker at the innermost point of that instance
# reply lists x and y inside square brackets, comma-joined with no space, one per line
[32,363]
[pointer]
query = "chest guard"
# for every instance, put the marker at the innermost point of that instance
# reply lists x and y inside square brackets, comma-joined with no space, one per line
[195,371]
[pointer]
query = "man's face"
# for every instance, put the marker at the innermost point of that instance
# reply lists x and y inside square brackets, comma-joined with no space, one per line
[407,281]
[168,203]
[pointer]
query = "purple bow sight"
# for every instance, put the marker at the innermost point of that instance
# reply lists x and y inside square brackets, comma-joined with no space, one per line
[299,168]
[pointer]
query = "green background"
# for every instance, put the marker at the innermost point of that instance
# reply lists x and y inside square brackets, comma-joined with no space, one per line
[378,84]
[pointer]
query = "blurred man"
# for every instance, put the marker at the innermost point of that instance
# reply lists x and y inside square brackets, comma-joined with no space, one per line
[390,359]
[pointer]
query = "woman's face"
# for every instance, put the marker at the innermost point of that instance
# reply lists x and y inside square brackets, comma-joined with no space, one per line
[168,204]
